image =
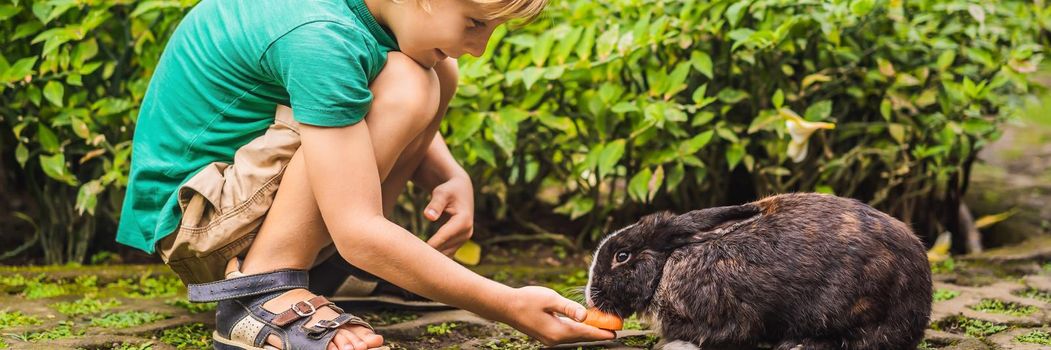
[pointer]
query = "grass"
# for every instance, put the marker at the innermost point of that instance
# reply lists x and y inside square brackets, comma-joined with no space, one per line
[17,318]
[944,266]
[64,329]
[1035,337]
[189,336]
[1037,294]
[1004,307]
[84,306]
[441,329]
[945,294]
[194,308]
[127,319]
[969,326]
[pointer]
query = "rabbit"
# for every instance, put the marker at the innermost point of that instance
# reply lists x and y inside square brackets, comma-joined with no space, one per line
[791,271]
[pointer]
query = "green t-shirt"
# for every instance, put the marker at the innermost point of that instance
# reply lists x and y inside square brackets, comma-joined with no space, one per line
[220,78]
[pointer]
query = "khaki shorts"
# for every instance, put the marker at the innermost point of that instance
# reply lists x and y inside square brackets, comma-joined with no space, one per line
[224,205]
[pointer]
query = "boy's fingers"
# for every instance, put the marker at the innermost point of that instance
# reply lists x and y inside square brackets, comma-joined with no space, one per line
[436,207]
[569,308]
[586,332]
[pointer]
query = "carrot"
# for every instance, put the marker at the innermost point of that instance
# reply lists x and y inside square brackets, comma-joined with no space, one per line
[601,319]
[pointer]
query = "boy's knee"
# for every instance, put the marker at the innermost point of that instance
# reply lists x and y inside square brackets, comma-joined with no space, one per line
[406,87]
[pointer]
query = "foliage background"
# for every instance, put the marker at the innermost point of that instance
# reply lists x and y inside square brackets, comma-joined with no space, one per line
[582,121]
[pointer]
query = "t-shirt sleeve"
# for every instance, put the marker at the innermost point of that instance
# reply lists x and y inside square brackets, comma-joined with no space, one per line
[323,66]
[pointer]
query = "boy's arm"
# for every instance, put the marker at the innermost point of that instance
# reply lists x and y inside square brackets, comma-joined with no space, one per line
[452,194]
[341,168]
[437,166]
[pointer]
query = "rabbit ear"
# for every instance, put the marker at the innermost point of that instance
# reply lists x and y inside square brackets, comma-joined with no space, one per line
[683,227]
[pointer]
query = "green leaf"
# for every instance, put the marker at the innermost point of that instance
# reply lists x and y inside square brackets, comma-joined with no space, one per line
[19,70]
[8,11]
[87,197]
[779,99]
[861,8]
[46,137]
[734,155]
[702,62]
[80,128]
[53,92]
[886,109]
[735,12]
[465,126]
[638,187]
[531,75]
[697,142]
[55,167]
[897,131]
[505,131]
[655,183]
[607,41]
[731,96]
[21,155]
[610,156]
[818,111]
[675,176]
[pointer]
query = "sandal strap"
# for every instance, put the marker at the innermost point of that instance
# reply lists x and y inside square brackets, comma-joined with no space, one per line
[324,326]
[249,285]
[301,309]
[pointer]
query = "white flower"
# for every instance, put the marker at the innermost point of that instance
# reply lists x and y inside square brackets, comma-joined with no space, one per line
[800,130]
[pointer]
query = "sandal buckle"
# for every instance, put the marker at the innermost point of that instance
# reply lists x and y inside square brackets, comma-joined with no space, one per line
[327,324]
[311,311]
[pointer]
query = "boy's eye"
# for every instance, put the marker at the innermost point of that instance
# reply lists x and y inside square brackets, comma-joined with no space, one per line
[477,23]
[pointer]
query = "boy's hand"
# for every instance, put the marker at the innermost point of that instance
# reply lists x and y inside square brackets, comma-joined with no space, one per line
[454,197]
[533,310]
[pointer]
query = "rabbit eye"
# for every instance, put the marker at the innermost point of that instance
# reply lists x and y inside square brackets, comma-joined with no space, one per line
[622,256]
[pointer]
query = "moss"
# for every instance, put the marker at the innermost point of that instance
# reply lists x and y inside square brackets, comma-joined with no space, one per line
[633,323]
[17,318]
[643,341]
[388,317]
[1037,294]
[1035,337]
[945,294]
[945,266]
[38,288]
[1003,307]
[149,287]
[444,328]
[193,308]
[143,346]
[189,336]
[84,306]
[3,344]
[64,329]
[127,319]
[969,326]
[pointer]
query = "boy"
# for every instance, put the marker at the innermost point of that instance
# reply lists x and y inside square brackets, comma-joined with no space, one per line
[216,175]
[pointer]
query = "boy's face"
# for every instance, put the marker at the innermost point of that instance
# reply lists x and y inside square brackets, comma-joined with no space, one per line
[450,29]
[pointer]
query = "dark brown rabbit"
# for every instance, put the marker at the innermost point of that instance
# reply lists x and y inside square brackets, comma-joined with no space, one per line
[795,271]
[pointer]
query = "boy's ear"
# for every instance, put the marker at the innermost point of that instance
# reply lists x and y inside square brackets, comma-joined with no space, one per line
[682,228]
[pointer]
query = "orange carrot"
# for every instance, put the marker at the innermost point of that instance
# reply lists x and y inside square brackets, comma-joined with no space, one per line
[603,320]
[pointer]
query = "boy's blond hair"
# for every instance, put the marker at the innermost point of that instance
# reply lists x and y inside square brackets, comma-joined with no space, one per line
[526,10]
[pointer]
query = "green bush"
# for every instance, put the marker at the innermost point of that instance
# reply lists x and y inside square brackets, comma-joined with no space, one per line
[606,110]
[72,74]
[599,112]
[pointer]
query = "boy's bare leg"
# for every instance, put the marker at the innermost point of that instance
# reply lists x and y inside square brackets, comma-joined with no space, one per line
[402,122]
